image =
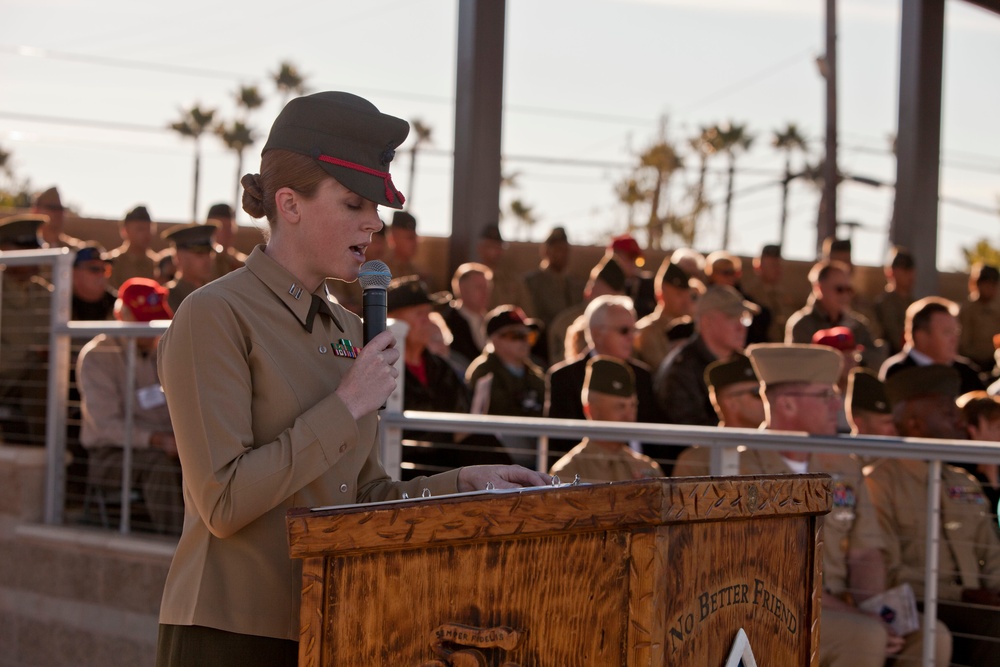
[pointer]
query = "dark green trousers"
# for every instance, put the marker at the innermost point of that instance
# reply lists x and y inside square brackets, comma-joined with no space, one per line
[196,646]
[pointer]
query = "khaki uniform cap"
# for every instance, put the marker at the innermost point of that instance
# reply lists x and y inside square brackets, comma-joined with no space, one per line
[778,363]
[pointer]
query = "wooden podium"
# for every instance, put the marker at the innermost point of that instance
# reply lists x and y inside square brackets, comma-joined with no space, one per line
[653,572]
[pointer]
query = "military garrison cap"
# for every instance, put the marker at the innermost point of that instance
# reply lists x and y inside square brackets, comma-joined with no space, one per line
[220,212]
[22,231]
[609,375]
[49,199]
[723,372]
[611,273]
[491,232]
[919,381]
[348,137]
[771,250]
[557,235]
[195,237]
[866,392]
[404,220]
[138,214]
[673,275]
[412,291]
[780,363]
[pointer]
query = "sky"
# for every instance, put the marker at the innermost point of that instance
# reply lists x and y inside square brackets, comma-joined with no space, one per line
[89,88]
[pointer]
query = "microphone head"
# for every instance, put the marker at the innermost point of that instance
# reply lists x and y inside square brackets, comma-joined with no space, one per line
[374,274]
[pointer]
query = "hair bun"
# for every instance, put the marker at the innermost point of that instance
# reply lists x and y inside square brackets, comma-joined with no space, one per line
[253,196]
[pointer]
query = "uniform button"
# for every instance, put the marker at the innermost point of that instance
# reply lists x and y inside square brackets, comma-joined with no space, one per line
[343,488]
[343,448]
[322,349]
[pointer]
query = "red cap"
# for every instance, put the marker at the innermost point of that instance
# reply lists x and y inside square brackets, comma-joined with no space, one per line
[839,338]
[146,299]
[626,245]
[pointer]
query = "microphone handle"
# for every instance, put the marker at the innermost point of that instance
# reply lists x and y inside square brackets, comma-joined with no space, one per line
[374,312]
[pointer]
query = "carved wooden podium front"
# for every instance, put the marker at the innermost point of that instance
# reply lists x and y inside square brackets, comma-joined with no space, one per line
[654,572]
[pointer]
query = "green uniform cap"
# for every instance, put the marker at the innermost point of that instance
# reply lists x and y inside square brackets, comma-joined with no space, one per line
[348,137]
[724,372]
[195,237]
[404,220]
[672,274]
[780,363]
[49,199]
[865,392]
[918,381]
[409,291]
[609,375]
[22,231]
[611,273]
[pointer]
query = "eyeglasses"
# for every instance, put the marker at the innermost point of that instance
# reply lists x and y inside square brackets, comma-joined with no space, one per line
[530,336]
[827,395]
[97,268]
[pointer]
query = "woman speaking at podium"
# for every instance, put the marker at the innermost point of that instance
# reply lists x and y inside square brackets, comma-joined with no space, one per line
[273,399]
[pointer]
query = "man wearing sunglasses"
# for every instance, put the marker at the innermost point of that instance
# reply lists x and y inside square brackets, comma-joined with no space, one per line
[93,297]
[829,306]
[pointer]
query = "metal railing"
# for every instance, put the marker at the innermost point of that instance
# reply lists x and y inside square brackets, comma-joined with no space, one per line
[394,421]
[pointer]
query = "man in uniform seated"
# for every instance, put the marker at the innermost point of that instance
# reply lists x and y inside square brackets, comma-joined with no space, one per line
[102,374]
[924,406]
[608,395]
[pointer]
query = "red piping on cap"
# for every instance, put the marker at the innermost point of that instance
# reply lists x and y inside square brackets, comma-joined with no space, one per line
[390,189]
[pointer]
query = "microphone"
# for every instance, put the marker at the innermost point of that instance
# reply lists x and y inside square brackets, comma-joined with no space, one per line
[374,278]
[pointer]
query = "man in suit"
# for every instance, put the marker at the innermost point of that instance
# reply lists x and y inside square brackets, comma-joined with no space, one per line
[932,334]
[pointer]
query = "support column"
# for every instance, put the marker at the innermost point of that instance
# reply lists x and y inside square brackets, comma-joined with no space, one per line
[478,124]
[918,138]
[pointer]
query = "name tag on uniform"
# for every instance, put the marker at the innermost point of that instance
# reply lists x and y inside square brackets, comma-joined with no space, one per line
[151,397]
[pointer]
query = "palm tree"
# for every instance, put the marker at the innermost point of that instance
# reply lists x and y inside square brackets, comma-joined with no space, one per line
[289,81]
[661,160]
[422,135]
[193,123]
[705,144]
[788,141]
[525,215]
[733,139]
[630,193]
[237,136]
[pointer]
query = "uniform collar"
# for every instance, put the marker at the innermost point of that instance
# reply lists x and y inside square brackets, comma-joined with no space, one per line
[303,305]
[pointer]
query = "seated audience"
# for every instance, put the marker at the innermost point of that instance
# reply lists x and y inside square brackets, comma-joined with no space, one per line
[968,585]
[721,319]
[472,286]
[670,323]
[639,283]
[869,410]
[93,298]
[841,339]
[766,287]
[227,258]
[102,374]
[982,419]
[980,317]
[194,257]
[606,277]
[932,332]
[508,286]
[608,394]
[896,297]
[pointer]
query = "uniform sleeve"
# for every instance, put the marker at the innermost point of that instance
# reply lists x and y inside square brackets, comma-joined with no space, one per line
[230,479]
[867,531]
[102,392]
[876,484]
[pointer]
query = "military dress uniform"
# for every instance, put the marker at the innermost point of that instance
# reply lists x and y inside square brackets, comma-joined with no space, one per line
[594,462]
[127,265]
[265,398]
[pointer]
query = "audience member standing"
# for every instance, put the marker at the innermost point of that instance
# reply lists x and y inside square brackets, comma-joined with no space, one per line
[553,289]
[102,374]
[829,306]
[608,394]
[968,585]
[93,297]
[194,255]
[980,317]
[49,204]
[721,320]
[134,258]
[670,324]
[767,288]
[24,328]
[227,257]
[932,335]
[508,286]
[472,287]
[403,243]
[891,304]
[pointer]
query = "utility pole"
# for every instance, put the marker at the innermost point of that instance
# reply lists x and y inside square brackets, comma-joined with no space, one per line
[827,223]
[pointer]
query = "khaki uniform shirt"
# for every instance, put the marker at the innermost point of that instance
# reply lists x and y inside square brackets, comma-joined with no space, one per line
[595,463]
[851,523]
[226,261]
[551,293]
[178,290]
[250,378]
[980,321]
[24,331]
[969,551]
[509,288]
[778,301]
[652,344]
[126,265]
[102,373]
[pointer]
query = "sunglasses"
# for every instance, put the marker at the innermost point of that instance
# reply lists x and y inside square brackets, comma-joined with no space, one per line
[530,336]
[97,268]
